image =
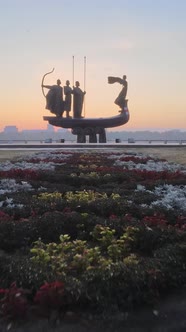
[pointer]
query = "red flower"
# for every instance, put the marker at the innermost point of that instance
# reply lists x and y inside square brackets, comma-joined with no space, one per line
[4,216]
[50,295]
[14,304]
[113,216]
[128,217]
[3,291]
[67,210]
[155,220]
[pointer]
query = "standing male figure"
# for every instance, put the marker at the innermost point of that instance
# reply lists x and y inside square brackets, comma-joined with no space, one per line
[68,98]
[54,98]
[78,99]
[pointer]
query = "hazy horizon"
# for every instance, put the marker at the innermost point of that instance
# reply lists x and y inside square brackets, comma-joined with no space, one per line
[115,129]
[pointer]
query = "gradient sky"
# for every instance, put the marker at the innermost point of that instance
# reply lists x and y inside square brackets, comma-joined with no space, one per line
[144,39]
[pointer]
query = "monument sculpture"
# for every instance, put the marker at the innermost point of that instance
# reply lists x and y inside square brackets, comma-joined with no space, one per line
[68,98]
[82,126]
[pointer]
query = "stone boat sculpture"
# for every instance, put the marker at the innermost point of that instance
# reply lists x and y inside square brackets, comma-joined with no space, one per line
[92,127]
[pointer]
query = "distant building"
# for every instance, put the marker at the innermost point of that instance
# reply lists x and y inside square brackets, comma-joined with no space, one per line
[33,131]
[62,130]
[10,129]
[50,127]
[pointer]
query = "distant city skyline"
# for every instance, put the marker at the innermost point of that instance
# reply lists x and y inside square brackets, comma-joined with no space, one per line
[49,127]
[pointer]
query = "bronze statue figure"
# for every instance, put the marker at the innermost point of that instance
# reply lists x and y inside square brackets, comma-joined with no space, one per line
[78,99]
[54,98]
[68,98]
[121,99]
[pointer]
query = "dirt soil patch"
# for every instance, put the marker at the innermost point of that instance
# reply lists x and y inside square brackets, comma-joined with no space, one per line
[176,155]
[11,154]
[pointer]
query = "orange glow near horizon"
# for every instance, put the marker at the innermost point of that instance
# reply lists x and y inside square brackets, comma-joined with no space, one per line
[145,116]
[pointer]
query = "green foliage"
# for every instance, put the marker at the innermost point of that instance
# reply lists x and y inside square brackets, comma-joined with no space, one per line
[76,257]
[50,197]
[83,196]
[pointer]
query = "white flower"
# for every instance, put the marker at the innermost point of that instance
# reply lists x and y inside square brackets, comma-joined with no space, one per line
[10,185]
[150,165]
[140,187]
[170,197]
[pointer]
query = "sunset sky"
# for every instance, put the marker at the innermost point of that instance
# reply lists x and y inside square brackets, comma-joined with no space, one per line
[144,39]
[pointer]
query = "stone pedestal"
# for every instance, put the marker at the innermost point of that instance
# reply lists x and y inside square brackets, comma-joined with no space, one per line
[91,132]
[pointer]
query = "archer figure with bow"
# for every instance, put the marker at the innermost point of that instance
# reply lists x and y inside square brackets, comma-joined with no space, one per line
[54,97]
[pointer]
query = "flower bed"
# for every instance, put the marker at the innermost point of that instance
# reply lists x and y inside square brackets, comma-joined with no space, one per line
[89,230]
